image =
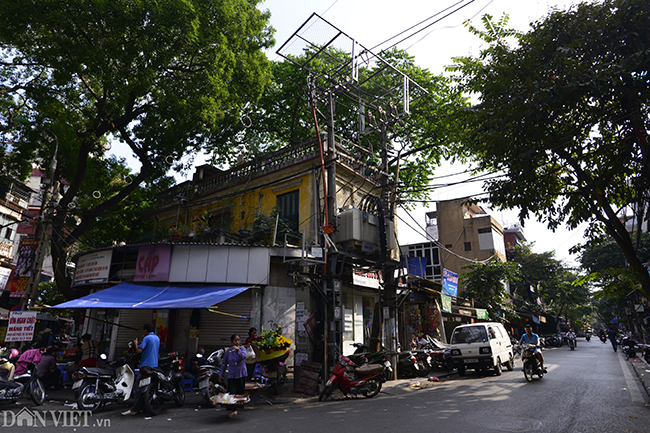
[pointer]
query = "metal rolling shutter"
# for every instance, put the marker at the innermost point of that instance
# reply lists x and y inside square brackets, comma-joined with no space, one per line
[134,319]
[216,329]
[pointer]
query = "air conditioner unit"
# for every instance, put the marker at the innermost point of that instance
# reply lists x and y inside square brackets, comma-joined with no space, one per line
[360,230]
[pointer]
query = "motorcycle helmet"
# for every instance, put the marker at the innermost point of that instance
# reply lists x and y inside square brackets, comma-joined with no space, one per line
[13,352]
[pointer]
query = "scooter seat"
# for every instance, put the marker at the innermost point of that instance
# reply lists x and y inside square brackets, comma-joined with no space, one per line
[99,371]
[368,369]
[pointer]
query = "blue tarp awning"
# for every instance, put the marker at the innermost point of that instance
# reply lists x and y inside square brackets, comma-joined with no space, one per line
[143,296]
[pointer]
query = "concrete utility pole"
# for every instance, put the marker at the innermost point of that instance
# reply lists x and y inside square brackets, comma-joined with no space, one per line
[42,231]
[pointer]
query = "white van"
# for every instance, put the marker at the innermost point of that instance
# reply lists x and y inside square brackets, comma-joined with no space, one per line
[480,346]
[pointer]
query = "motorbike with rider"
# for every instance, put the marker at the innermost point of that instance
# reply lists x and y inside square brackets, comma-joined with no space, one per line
[529,337]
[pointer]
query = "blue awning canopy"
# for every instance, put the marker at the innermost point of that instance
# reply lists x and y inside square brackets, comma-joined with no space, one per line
[143,296]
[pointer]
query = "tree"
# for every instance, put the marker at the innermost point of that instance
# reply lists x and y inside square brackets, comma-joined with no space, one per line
[485,284]
[283,116]
[157,76]
[564,116]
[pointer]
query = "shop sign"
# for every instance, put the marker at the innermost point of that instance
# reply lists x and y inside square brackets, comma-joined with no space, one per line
[449,283]
[481,314]
[153,263]
[21,326]
[366,278]
[4,277]
[93,268]
[446,303]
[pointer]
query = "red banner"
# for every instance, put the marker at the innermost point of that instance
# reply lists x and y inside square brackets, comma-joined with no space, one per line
[26,257]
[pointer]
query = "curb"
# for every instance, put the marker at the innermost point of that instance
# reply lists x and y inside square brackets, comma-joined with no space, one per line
[642,369]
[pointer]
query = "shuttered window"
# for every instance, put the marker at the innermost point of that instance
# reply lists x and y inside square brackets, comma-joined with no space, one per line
[289,208]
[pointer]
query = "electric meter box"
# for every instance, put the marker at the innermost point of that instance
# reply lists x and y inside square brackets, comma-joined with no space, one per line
[360,230]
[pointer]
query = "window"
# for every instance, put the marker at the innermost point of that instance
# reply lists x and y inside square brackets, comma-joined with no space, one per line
[468,246]
[487,230]
[8,233]
[289,208]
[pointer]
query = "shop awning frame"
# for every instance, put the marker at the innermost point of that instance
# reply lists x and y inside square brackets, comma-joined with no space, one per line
[147,296]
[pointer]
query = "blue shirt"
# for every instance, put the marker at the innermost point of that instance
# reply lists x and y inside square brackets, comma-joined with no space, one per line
[533,339]
[150,346]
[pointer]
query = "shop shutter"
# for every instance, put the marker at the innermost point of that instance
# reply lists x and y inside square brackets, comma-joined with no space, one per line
[216,329]
[133,319]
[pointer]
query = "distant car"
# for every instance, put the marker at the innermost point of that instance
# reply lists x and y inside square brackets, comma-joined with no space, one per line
[481,346]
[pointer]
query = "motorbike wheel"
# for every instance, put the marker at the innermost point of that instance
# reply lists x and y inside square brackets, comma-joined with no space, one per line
[326,392]
[179,396]
[423,368]
[528,371]
[82,401]
[510,365]
[37,392]
[152,403]
[498,368]
[373,387]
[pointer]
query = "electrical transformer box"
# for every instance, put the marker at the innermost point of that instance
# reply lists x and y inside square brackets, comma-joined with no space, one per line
[360,230]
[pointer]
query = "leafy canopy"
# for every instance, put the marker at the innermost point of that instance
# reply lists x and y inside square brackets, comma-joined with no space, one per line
[156,76]
[564,115]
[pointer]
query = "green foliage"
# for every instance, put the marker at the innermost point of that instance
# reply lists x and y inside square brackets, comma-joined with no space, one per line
[265,226]
[485,284]
[49,294]
[272,339]
[158,77]
[283,116]
[563,115]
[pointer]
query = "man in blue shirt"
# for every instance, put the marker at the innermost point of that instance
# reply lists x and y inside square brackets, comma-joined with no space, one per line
[530,338]
[149,348]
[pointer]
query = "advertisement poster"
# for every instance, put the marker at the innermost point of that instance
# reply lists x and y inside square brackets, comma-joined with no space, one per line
[26,256]
[21,326]
[4,277]
[153,263]
[449,283]
[93,268]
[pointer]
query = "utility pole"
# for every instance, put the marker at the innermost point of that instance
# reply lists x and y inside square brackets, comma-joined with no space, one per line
[42,230]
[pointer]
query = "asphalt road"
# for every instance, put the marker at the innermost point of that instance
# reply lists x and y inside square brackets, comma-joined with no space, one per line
[591,389]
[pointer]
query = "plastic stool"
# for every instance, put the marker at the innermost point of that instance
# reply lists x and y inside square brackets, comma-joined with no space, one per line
[188,385]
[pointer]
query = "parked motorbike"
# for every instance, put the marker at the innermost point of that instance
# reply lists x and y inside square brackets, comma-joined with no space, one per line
[645,349]
[629,347]
[352,379]
[553,341]
[23,385]
[209,377]
[94,386]
[363,356]
[439,354]
[531,364]
[161,384]
[413,363]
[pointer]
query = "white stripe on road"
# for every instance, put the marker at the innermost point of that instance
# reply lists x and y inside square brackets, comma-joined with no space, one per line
[631,383]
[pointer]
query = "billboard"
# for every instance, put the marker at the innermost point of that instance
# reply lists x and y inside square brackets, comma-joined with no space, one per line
[153,263]
[21,326]
[26,257]
[449,283]
[93,268]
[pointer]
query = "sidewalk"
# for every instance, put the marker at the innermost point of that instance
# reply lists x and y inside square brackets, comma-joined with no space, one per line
[642,369]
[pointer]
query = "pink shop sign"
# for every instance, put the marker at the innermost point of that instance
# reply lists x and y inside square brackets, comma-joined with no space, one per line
[153,263]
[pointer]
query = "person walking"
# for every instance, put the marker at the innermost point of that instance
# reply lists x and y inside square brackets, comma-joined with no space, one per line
[234,360]
[612,338]
[148,348]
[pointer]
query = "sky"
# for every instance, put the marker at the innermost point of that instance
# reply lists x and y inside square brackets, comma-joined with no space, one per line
[372,22]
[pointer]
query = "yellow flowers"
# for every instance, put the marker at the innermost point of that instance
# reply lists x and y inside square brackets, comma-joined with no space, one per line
[272,339]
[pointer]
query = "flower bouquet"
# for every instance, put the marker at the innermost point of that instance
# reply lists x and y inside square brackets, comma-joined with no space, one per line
[272,344]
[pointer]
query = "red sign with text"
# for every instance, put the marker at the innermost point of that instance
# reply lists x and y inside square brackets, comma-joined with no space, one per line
[153,263]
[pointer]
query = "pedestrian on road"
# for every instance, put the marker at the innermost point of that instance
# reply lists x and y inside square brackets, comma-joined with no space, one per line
[612,337]
[149,348]
[235,361]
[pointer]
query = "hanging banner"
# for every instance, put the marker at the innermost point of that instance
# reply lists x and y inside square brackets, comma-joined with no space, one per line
[26,257]
[21,326]
[4,277]
[93,268]
[449,283]
[445,301]
[481,314]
